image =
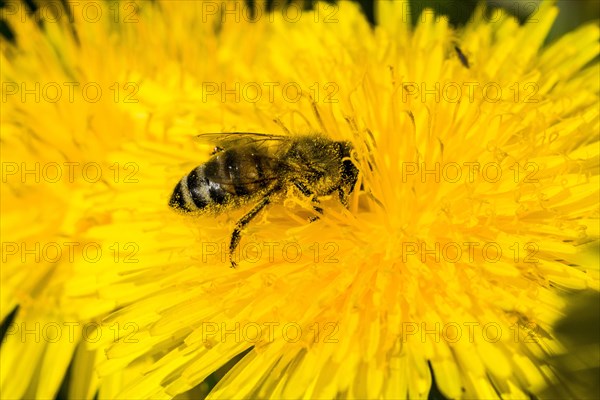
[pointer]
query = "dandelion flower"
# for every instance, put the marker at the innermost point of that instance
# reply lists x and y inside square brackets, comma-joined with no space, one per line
[478,158]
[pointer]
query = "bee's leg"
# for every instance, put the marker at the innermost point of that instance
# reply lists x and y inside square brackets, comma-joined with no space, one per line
[317,209]
[305,191]
[343,197]
[241,224]
[316,217]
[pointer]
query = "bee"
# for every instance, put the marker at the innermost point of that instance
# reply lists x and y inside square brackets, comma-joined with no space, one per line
[248,167]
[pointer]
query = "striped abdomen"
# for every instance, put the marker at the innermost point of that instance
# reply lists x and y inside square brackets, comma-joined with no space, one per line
[227,179]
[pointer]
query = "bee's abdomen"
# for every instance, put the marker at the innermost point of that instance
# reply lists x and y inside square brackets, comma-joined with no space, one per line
[195,192]
[228,178]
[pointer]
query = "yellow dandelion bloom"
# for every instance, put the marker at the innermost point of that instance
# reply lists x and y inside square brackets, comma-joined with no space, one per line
[478,157]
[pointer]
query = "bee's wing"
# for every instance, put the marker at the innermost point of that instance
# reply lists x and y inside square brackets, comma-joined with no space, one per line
[245,181]
[235,139]
[240,139]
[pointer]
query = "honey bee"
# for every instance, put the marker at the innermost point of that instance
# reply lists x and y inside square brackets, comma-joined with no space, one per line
[250,167]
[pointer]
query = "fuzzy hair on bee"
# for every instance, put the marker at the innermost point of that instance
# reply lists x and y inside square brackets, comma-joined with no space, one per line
[248,167]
